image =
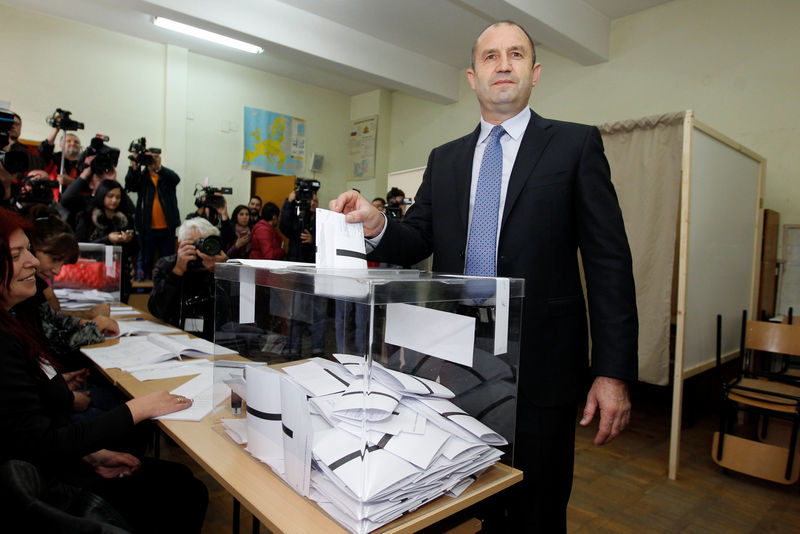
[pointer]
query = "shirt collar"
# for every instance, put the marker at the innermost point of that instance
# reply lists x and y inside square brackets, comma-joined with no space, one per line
[515,126]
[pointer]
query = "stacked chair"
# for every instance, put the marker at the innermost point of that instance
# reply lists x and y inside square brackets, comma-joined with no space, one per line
[761,389]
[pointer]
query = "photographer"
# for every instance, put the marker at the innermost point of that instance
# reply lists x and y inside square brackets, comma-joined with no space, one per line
[35,160]
[183,284]
[78,196]
[157,213]
[213,207]
[70,150]
[298,220]
[396,203]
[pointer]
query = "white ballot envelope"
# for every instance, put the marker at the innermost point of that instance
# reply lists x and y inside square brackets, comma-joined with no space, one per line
[340,245]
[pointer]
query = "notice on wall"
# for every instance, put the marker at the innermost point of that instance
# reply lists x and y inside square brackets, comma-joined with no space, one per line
[363,138]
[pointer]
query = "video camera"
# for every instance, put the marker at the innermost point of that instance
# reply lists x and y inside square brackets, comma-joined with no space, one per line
[139,146]
[106,157]
[394,208]
[61,119]
[13,162]
[208,197]
[304,189]
[34,191]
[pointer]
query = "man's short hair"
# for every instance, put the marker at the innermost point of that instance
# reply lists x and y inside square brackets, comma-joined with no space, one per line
[500,23]
[383,201]
[258,197]
[270,210]
[203,227]
[395,192]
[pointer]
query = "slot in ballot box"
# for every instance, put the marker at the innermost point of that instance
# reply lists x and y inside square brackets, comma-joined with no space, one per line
[370,392]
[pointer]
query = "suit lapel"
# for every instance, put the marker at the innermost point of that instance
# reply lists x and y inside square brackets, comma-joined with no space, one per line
[462,173]
[536,138]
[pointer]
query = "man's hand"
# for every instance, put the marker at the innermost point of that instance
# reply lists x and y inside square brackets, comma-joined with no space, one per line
[186,253]
[81,401]
[306,237]
[358,209]
[111,464]
[209,262]
[611,396]
[222,210]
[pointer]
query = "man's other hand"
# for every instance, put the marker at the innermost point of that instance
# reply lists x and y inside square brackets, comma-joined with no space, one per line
[611,396]
[358,209]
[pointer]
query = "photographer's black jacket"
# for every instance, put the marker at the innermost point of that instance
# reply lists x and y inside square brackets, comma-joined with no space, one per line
[291,227]
[140,182]
[174,298]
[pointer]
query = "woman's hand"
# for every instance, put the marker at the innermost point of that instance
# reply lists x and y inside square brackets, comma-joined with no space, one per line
[243,240]
[81,401]
[112,464]
[156,404]
[104,309]
[76,379]
[109,327]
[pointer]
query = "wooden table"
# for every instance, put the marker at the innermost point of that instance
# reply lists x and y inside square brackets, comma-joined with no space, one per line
[265,494]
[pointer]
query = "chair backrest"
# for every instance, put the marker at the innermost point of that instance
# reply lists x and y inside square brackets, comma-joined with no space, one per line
[772,337]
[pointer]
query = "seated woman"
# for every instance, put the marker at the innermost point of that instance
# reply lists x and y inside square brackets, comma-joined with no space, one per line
[35,402]
[241,219]
[105,221]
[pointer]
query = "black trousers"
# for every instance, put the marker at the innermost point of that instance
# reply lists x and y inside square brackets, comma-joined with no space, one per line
[545,452]
[160,496]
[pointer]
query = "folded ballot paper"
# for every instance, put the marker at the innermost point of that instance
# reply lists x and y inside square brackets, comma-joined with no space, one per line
[367,447]
[134,352]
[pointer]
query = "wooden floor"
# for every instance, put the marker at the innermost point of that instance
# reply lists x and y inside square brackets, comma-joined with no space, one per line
[623,487]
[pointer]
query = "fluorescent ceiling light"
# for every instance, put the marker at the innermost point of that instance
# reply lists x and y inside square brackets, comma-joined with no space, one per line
[168,24]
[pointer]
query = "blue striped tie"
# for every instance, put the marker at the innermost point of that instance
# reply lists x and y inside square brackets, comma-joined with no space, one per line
[482,246]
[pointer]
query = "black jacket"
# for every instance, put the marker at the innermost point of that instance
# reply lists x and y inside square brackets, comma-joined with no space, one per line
[138,181]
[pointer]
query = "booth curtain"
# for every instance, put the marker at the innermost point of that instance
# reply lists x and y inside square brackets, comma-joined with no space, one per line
[645,159]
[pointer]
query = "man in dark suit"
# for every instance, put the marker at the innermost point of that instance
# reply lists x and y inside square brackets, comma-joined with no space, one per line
[553,197]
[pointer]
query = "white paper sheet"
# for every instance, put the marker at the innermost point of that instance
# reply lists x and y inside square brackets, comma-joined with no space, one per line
[445,335]
[340,245]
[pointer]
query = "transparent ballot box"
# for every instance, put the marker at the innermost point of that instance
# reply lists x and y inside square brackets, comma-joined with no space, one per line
[370,392]
[98,268]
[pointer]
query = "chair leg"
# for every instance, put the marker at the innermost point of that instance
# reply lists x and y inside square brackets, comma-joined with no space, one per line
[722,418]
[792,446]
[764,425]
[236,508]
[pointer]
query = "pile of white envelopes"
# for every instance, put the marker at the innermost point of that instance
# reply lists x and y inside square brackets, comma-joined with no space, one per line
[365,458]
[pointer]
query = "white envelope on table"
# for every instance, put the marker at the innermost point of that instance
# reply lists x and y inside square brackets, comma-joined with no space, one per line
[374,405]
[367,473]
[264,423]
[450,417]
[316,379]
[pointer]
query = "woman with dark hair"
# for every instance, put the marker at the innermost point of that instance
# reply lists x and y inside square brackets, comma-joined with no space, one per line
[242,227]
[267,242]
[105,221]
[35,403]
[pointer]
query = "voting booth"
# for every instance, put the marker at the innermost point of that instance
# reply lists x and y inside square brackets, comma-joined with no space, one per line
[369,391]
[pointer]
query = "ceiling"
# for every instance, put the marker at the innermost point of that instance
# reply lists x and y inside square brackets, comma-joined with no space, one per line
[354,46]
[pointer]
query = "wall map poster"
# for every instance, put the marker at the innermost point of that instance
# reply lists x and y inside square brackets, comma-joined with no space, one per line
[273,142]
[363,136]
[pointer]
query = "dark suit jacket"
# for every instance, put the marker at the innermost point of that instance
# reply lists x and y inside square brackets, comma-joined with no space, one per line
[559,199]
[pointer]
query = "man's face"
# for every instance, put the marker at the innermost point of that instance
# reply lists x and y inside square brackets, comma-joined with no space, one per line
[503,76]
[156,165]
[16,129]
[314,202]
[71,147]
[254,205]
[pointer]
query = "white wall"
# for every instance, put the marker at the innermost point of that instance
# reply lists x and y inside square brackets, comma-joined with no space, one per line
[218,91]
[126,88]
[735,63]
